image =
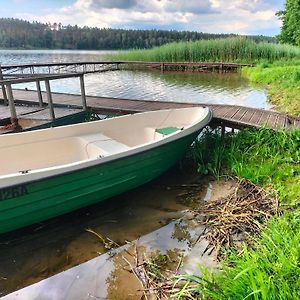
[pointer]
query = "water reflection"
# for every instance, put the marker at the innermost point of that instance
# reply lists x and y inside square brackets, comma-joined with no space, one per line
[109,275]
[30,255]
[154,217]
[197,88]
[11,57]
[228,88]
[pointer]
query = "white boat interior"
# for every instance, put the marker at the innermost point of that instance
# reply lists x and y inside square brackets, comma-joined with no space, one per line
[24,152]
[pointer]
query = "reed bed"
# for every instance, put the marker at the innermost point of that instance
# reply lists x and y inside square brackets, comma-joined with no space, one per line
[237,49]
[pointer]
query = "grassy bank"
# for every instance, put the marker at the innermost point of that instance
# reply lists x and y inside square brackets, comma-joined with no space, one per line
[265,157]
[269,269]
[282,81]
[240,50]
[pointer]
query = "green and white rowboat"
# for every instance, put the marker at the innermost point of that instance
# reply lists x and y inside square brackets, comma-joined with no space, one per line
[49,172]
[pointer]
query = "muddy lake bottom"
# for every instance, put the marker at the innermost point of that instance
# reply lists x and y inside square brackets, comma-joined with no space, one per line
[155,216]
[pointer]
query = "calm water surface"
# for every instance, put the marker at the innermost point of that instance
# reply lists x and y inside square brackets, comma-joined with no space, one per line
[182,87]
[149,213]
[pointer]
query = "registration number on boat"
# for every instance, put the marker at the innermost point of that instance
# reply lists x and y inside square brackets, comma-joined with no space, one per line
[13,192]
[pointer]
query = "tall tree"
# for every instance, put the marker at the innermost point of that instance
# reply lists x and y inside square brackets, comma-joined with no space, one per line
[15,33]
[290,31]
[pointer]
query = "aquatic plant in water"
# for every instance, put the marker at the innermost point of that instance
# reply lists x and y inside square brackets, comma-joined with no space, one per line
[236,49]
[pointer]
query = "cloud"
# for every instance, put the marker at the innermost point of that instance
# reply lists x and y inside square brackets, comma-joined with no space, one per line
[120,4]
[256,5]
[215,16]
[194,7]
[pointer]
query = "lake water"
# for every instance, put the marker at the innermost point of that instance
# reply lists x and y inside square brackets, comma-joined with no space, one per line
[229,88]
[149,213]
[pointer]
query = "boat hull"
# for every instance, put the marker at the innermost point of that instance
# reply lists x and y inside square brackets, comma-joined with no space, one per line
[40,200]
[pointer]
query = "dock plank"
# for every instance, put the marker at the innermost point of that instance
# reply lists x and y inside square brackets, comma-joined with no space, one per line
[239,113]
[271,119]
[247,117]
[231,115]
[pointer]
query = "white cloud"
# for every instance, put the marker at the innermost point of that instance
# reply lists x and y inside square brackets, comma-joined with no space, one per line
[216,16]
[265,15]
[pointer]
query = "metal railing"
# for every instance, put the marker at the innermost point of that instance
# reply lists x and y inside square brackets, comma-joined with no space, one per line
[59,68]
[8,97]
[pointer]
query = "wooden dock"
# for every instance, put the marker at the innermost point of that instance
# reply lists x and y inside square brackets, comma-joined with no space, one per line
[104,66]
[232,116]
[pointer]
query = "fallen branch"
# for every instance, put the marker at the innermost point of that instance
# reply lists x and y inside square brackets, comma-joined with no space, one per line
[241,213]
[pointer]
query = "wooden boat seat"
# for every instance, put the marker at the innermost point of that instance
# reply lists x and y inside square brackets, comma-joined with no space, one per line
[99,145]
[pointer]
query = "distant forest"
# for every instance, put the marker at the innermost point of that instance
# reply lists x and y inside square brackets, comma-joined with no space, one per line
[20,34]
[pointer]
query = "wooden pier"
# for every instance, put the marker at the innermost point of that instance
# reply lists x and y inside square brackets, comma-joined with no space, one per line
[28,108]
[104,66]
[232,116]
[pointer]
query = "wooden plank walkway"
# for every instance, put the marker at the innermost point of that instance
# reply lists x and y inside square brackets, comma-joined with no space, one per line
[225,115]
[21,110]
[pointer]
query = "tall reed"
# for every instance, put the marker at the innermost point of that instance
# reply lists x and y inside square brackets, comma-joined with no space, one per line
[237,49]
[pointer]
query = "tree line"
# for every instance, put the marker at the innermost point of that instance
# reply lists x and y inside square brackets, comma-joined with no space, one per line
[20,34]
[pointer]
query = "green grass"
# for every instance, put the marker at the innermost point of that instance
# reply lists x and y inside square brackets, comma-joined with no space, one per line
[265,157]
[216,50]
[271,268]
[282,80]
[269,271]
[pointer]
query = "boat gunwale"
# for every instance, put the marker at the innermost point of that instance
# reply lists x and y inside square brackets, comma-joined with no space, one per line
[91,163]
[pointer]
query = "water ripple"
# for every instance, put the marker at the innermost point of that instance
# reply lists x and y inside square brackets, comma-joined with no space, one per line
[183,87]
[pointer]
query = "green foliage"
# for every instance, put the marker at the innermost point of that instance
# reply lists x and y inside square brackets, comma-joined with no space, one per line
[156,264]
[235,49]
[270,268]
[282,81]
[210,153]
[290,31]
[268,271]
[264,157]
[194,286]
[15,33]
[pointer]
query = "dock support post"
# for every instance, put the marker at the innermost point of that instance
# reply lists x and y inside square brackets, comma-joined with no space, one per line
[83,97]
[3,88]
[39,92]
[12,108]
[49,98]
[222,131]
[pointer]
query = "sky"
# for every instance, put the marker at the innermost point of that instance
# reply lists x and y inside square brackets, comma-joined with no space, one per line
[254,17]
